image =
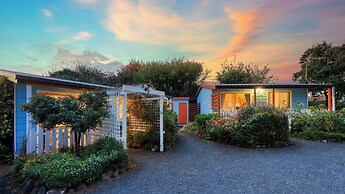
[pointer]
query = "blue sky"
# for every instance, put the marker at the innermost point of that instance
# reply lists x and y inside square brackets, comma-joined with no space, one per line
[41,35]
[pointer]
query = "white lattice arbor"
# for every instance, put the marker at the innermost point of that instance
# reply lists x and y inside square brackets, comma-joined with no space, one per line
[142,89]
[43,141]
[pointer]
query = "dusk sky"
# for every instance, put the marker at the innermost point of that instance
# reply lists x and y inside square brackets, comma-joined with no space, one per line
[37,36]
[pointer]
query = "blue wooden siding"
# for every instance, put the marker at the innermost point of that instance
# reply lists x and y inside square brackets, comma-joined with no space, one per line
[299,95]
[20,116]
[204,98]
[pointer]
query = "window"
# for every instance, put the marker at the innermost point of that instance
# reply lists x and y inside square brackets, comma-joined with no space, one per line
[56,94]
[233,101]
[282,99]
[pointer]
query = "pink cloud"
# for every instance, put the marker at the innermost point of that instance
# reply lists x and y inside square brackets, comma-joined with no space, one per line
[158,24]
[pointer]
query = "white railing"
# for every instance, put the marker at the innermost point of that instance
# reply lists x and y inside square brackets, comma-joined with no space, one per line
[40,141]
[228,113]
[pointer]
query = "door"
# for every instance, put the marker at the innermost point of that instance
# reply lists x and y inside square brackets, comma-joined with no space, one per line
[182,113]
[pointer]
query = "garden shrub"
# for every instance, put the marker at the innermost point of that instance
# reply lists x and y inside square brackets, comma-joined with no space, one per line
[321,135]
[322,123]
[202,121]
[150,138]
[252,126]
[6,119]
[190,127]
[58,170]
[264,128]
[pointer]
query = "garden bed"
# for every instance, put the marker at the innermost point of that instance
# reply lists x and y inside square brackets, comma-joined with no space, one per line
[102,160]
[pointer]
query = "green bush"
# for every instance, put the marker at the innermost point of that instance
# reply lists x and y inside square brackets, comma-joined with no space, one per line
[6,154]
[6,119]
[326,121]
[61,169]
[253,126]
[190,127]
[320,125]
[202,121]
[321,135]
[264,128]
[150,138]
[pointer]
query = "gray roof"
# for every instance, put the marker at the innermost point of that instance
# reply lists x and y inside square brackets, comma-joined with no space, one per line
[27,77]
[274,85]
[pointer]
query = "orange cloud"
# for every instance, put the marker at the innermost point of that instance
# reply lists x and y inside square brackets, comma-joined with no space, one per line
[156,24]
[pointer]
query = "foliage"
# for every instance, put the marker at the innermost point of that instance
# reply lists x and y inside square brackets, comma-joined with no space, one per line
[252,126]
[240,74]
[324,64]
[320,135]
[177,76]
[325,121]
[192,126]
[6,118]
[62,169]
[84,73]
[81,114]
[150,139]
[5,154]
[144,110]
[202,121]
[342,111]
[264,128]
[129,73]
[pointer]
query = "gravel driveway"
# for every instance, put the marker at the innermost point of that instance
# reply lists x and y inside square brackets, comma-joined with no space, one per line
[197,166]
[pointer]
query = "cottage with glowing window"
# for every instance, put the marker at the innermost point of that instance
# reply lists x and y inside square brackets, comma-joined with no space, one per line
[223,98]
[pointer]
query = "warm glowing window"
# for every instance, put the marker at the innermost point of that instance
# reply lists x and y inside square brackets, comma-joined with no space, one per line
[55,94]
[233,101]
[282,99]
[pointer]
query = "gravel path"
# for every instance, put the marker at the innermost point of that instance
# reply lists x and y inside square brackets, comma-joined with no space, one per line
[197,166]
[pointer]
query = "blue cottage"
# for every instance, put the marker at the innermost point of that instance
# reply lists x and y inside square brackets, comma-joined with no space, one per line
[27,85]
[222,98]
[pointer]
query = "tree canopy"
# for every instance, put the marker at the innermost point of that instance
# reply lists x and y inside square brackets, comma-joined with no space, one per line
[241,73]
[177,76]
[323,63]
[81,114]
[84,73]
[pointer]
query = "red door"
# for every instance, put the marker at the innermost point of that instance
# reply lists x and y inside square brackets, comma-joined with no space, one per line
[182,113]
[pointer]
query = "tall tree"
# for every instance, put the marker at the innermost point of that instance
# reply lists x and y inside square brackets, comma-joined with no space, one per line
[177,77]
[129,73]
[323,63]
[84,73]
[241,74]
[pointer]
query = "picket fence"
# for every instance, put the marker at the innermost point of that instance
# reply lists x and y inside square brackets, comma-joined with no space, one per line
[41,141]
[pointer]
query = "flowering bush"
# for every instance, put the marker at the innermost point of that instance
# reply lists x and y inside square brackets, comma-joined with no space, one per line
[252,126]
[62,169]
[202,121]
[319,125]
